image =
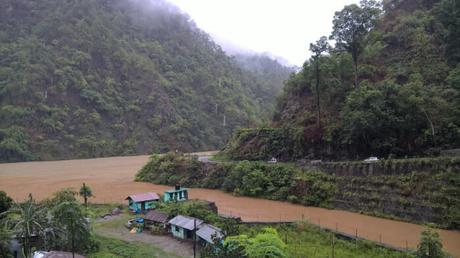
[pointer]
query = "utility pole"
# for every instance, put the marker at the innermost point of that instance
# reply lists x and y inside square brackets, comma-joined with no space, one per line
[194,238]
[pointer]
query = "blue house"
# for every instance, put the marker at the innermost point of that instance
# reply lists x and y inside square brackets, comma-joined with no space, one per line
[177,194]
[183,227]
[142,202]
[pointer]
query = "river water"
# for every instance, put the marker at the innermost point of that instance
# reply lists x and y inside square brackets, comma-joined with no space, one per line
[112,181]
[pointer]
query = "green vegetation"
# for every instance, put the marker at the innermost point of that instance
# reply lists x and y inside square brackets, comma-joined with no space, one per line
[115,248]
[58,223]
[5,202]
[266,243]
[98,78]
[85,192]
[389,88]
[5,238]
[296,241]
[418,190]
[430,246]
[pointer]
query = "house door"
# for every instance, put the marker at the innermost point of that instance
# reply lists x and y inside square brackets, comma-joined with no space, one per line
[143,206]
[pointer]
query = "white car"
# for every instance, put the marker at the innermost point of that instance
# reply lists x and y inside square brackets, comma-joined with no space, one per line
[273,161]
[371,160]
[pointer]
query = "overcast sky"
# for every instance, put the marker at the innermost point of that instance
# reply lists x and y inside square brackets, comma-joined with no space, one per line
[284,28]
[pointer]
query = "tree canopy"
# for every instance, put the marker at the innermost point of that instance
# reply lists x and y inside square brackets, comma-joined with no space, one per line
[98,78]
[408,100]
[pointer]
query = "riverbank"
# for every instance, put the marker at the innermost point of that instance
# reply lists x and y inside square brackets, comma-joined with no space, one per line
[112,180]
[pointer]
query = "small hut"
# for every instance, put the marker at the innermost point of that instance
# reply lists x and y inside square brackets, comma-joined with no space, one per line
[207,232]
[177,194]
[183,226]
[142,202]
[156,218]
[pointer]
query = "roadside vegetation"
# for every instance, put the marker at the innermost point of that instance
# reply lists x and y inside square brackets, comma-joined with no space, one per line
[423,192]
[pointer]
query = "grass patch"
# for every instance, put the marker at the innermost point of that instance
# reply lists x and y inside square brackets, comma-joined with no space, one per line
[305,240]
[115,248]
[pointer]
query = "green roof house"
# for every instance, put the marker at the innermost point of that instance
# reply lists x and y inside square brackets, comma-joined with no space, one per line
[177,194]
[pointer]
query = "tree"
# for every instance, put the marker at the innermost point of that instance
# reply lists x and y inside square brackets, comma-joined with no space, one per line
[264,245]
[448,13]
[5,238]
[267,244]
[63,195]
[321,46]
[26,220]
[5,202]
[430,245]
[350,27]
[86,192]
[76,230]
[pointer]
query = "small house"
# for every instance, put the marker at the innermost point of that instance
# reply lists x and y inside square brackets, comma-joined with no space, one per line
[156,218]
[207,232]
[183,227]
[142,202]
[177,194]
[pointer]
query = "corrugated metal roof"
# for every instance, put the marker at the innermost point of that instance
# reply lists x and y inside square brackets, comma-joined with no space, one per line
[185,222]
[206,232]
[156,216]
[150,196]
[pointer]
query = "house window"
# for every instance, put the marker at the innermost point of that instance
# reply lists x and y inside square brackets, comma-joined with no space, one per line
[176,228]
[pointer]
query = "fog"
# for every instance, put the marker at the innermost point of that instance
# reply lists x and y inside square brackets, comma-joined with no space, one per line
[284,28]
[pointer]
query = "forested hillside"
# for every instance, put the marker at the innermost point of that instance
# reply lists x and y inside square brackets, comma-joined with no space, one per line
[115,77]
[389,87]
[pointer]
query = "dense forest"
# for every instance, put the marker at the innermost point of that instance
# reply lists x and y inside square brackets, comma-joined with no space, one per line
[389,87]
[113,77]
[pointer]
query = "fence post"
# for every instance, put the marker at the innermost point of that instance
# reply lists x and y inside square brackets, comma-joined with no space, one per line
[333,245]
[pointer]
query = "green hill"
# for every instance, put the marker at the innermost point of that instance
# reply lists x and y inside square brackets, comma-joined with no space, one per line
[405,100]
[114,77]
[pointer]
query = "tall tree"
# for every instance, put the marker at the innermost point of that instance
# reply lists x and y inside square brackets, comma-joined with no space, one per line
[86,192]
[76,228]
[318,48]
[350,27]
[26,220]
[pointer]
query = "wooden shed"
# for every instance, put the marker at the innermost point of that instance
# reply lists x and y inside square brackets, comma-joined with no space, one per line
[156,218]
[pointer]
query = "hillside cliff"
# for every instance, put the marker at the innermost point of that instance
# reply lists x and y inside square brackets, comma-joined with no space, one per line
[403,99]
[112,77]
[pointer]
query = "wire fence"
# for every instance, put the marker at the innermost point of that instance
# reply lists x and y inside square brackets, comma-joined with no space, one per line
[337,229]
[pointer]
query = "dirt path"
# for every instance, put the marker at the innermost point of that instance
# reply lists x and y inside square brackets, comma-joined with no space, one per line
[111,181]
[114,227]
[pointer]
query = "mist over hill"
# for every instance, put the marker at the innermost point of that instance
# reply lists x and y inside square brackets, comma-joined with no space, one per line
[391,90]
[112,77]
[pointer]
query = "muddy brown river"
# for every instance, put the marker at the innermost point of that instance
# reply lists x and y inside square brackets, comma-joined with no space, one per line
[112,180]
